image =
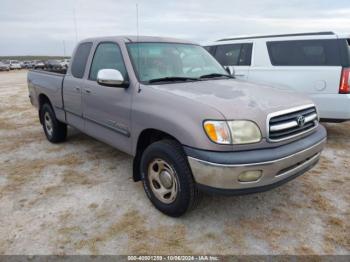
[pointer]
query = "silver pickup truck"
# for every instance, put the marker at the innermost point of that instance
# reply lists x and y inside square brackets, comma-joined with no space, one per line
[189,125]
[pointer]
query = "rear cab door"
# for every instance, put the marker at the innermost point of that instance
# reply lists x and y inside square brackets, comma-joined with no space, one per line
[73,84]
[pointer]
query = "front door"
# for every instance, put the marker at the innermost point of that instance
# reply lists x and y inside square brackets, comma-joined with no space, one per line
[106,110]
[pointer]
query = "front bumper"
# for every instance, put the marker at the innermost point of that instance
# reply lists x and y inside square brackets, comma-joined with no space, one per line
[219,172]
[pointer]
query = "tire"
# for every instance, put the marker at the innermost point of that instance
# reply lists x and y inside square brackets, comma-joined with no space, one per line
[55,130]
[167,159]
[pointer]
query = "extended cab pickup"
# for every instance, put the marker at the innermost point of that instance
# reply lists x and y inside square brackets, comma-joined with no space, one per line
[189,125]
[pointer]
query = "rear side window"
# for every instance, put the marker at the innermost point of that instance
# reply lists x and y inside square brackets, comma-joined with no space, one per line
[304,53]
[234,54]
[107,56]
[80,59]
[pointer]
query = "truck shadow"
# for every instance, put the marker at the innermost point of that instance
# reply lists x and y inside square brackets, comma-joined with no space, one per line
[294,195]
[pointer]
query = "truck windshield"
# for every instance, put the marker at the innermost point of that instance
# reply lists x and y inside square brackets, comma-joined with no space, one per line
[173,62]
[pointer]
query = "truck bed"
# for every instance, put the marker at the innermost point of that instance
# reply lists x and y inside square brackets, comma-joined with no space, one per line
[46,83]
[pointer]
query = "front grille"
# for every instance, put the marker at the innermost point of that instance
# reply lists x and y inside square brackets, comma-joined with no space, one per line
[290,124]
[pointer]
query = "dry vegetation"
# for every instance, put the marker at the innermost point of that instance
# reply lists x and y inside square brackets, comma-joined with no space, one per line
[78,198]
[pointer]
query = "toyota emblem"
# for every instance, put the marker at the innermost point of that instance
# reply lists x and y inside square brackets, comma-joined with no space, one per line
[301,120]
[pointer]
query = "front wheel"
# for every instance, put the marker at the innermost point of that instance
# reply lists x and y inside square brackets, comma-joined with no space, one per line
[55,130]
[167,178]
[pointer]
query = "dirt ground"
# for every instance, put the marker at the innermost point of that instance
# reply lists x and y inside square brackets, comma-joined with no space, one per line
[79,198]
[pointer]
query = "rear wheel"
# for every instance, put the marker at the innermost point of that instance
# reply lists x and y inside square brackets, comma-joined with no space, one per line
[55,130]
[167,178]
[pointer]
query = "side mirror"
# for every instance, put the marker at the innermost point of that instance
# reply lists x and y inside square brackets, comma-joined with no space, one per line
[230,70]
[110,77]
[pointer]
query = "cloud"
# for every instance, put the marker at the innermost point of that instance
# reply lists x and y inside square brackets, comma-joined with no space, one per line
[43,27]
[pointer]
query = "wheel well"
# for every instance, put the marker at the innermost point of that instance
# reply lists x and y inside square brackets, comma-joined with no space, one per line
[43,99]
[146,138]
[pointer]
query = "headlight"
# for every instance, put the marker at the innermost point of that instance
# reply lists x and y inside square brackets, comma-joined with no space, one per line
[232,132]
[244,132]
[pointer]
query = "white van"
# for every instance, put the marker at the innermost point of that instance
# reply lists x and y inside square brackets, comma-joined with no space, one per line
[14,64]
[316,64]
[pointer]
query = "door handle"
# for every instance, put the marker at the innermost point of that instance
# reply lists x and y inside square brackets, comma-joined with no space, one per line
[77,88]
[88,91]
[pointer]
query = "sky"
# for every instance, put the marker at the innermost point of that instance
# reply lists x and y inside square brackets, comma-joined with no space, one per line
[33,27]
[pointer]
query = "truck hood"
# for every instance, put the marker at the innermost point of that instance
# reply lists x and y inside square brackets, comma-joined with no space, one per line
[237,99]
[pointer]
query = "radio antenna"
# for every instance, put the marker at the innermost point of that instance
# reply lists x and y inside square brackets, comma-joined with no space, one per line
[138,43]
[137,21]
[64,48]
[75,26]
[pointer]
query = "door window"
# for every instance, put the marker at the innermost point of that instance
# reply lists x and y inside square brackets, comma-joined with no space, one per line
[228,54]
[234,54]
[210,49]
[80,59]
[107,56]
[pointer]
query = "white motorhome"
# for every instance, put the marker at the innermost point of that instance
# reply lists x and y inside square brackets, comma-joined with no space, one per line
[315,64]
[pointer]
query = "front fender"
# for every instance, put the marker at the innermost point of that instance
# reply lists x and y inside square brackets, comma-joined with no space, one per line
[177,116]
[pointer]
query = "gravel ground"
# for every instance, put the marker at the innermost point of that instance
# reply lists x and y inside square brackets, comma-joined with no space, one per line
[79,198]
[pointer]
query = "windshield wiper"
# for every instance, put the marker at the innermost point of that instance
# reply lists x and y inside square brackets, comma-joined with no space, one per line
[172,79]
[214,75]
